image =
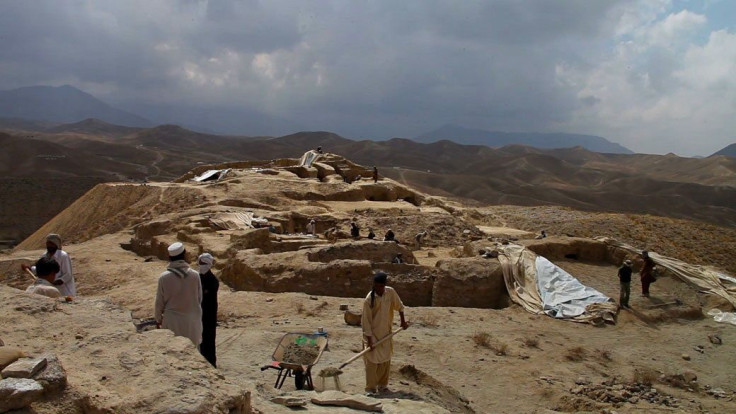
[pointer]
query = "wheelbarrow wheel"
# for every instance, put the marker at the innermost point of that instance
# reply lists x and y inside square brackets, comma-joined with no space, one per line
[299,379]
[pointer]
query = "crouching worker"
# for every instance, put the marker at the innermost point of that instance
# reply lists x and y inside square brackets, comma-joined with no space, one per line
[378,315]
[46,270]
[178,305]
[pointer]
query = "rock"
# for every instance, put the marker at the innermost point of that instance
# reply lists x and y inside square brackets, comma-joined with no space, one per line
[634,400]
[717,392]
[343,307]
[53,377]
[582,381]
[17,393]
[686,357]
[289,401]
[269,299]
[313,298]
[24,368]
[353,318]
[715,339]
[341,399]
[689,376]
[700,349]
[2,343]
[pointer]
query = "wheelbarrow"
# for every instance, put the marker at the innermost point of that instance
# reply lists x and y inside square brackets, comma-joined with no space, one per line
[300,370]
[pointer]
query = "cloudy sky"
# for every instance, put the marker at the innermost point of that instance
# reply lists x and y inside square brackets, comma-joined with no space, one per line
[655,75]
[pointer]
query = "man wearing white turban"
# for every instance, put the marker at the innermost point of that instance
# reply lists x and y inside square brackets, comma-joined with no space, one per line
[64,280]
[210,286]
[179,297]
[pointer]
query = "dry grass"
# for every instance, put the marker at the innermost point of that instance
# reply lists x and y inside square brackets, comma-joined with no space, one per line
[484,339]
[531,342]
[576,354]
[428,321]
[603,355]
[646,376]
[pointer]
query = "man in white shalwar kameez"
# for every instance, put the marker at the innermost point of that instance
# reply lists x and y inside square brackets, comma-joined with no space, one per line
[64,281]
[378,315]
[178,304]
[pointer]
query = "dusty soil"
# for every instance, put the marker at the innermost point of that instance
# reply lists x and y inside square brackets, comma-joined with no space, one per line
[300,354]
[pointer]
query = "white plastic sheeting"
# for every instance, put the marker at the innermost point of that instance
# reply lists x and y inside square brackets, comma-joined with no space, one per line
[308,158]
[211,175]
[540,286]
[562,295]
[725,317]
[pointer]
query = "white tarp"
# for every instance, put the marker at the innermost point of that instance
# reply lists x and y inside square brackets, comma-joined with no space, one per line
[562,295]
[540,286]
[211,175]
[231,221]
[308,158]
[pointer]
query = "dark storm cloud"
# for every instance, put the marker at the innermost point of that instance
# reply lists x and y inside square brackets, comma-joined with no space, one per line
[371,69]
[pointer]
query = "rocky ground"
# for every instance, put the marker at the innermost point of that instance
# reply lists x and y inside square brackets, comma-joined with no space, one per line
[658,357]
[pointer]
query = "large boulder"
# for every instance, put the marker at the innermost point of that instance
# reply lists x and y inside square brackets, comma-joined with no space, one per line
[471,283]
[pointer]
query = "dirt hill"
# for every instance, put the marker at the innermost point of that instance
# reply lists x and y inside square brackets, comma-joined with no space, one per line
[671,186]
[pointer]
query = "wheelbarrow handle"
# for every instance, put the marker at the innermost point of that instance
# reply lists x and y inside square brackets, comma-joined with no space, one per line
[363,352]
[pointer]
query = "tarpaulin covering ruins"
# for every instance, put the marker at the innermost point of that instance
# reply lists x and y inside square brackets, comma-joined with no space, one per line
[211,175]
[308,158]
[702,278]
[540,286]
[232,221]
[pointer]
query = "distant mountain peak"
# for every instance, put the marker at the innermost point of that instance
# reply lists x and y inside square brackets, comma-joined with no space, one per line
[468,136]
[729,151]
[62,104]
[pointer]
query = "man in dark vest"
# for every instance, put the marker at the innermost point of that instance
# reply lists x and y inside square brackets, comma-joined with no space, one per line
[210,286]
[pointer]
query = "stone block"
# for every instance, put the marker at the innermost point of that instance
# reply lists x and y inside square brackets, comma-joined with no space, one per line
[341,399]
[17,393]
[24,368]
[53,377]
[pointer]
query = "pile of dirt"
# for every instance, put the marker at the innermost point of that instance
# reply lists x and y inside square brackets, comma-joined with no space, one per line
[300,354]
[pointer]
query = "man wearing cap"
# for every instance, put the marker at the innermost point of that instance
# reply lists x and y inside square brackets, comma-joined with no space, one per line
[179,297]
[210,286]
[378,315]
[64,280]
[624,277]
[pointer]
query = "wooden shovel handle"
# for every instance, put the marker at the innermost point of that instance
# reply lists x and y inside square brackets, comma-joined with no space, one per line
[31,273]
[363,352]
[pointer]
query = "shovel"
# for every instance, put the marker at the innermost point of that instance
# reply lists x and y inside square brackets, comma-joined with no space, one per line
[334,372]
[33,276]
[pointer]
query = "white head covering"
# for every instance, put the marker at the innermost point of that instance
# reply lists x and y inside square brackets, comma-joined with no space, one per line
[176,249]
[205,261]
[54,238]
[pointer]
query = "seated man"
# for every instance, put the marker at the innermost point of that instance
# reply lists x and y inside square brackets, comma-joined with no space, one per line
[46,269]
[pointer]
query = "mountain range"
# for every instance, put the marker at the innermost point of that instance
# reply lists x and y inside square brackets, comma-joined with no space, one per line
[468,136]
[67,104]
[84,153]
